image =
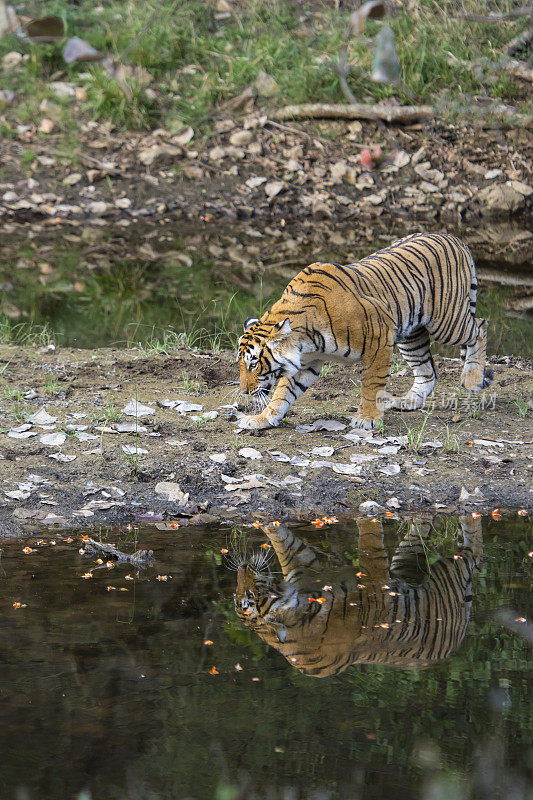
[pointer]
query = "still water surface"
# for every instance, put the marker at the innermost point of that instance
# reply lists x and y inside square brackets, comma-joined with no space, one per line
[114,286]
[360,665]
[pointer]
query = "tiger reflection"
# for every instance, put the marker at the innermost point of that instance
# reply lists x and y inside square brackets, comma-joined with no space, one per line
[403,614]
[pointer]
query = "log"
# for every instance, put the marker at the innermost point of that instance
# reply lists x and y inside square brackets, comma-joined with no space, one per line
[514,13]
[379,111]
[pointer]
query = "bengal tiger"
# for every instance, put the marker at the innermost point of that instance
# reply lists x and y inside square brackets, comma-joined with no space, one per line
[402,614]
[422,285]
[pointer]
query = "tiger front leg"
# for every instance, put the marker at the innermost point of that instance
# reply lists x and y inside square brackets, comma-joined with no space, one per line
[288,389]
[376,372]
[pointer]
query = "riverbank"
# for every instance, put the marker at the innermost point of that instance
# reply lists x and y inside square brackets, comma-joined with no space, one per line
[73,453]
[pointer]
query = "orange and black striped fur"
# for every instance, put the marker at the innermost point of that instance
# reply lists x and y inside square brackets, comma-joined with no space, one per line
[423,285]
[403,614]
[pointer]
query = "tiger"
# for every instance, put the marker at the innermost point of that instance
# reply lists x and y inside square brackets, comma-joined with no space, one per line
[400,614]
[420,286]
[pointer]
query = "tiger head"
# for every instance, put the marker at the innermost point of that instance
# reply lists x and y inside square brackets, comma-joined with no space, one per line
[265,354]
[256,596]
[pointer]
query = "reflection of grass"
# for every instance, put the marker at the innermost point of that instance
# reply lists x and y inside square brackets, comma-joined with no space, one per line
[25,333]
[160,304]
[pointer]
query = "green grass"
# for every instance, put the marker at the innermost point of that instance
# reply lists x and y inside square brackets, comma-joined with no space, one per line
[415,434]
[193,62]
[452,441]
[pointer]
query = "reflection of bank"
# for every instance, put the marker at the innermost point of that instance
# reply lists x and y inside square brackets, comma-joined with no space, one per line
[406,613]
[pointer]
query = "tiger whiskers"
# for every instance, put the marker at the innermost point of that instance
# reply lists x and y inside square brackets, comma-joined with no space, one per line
[258,560]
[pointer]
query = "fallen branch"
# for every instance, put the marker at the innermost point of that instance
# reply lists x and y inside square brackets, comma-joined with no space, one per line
[519,69]
[514,13]
[379,111]
[138,559]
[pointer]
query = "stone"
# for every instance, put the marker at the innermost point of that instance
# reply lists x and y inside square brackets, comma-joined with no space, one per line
[265,84]
[500,199]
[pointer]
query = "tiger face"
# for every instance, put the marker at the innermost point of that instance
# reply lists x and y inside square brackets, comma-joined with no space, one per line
[262,358]
[254,595]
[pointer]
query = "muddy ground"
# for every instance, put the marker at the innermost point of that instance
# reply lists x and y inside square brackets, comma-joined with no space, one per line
[482,442]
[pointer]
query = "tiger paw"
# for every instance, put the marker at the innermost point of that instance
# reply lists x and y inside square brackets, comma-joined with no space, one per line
[253,422]
[366,423]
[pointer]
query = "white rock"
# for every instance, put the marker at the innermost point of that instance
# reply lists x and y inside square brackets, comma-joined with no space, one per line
[321,425]
[273,188]
[277,455]
[97,207]
[254,182]
[371,508]
[241,138]
[11,59]
[83,436]
[159,152]
[62,89]
[218,458]
[73,178]
[172,492]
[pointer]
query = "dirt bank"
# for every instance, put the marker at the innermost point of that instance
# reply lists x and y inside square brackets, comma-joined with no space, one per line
[78,469]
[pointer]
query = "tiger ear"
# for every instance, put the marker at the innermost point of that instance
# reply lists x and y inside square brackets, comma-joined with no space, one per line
[281,632]
[249,322]
[282,330]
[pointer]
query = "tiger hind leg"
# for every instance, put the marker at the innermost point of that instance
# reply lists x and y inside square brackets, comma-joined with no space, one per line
[476,375]
[416,352]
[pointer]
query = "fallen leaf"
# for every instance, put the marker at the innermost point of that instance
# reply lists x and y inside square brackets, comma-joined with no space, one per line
[53,439]
[391,469]
[42,417]
[133,450]
[471,497]
[62,457]
[321,425]
[250,452]
[218,458]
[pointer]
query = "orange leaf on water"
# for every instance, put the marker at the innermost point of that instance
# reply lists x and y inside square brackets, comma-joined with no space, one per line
[213,671]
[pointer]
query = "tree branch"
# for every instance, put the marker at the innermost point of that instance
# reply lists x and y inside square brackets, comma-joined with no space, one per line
[379,111]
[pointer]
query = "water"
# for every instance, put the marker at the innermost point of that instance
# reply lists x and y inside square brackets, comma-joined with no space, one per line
[112,286]
[111,693]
